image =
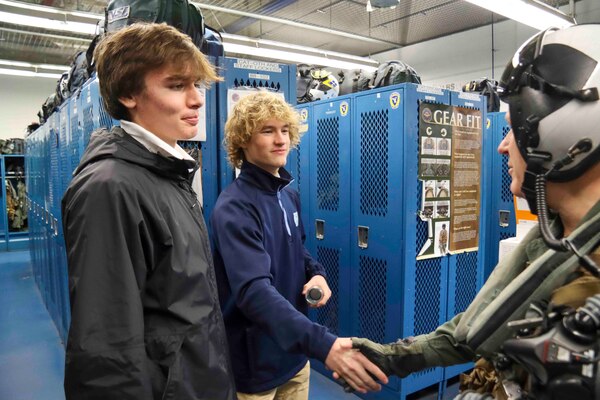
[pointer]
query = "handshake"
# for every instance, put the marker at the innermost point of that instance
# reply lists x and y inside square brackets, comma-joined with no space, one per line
[359,363]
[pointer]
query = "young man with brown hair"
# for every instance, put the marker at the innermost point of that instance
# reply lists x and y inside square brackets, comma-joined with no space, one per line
[145,318]
[264,271]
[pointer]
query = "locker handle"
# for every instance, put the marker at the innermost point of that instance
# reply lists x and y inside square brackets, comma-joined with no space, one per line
[363,237]
[503,218]
[320,229]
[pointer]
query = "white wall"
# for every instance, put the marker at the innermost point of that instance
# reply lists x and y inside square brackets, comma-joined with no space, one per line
[464,56]
[20,100]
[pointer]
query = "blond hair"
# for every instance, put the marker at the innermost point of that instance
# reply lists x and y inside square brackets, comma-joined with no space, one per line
[124,58]
[249,115]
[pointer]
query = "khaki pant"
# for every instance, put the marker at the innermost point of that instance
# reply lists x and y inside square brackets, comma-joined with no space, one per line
[294,389]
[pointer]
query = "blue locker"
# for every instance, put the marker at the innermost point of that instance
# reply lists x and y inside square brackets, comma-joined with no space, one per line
[302,161]
[210,147]
[74,143]
[63,145]
[53,163]
[502,223]
[302,176]
[90,97]
[89,119]
[328,206]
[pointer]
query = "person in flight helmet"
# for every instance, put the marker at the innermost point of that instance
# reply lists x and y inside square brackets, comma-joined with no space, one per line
[551,87]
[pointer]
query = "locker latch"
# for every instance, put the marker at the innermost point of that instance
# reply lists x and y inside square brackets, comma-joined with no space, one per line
[503,218]
[320,229]
[363,237]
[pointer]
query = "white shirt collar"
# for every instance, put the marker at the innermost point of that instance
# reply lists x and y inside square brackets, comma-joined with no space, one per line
[153,143]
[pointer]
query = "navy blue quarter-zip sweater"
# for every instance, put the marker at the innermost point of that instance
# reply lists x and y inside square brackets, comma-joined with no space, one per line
[261,266]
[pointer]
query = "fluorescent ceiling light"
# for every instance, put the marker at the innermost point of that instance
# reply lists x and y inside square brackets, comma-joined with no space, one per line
[43,11]
[45,23]
[18,72]
[297,54]
[11,63]
[294,57]
[288,22]
[53,19]
[529,12]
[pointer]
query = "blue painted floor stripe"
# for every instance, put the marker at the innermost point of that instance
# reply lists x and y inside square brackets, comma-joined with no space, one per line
[31,353]
[322,388]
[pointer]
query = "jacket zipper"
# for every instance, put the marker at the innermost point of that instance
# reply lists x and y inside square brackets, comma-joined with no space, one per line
[285,218]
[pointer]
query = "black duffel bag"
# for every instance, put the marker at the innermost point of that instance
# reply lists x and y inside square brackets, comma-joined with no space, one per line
[120,13]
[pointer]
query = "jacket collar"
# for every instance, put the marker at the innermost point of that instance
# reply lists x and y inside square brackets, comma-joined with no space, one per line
[153,143]
[263,179]
[118,144]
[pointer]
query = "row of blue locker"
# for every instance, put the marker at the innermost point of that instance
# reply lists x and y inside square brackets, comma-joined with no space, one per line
[353,170]
[358,171]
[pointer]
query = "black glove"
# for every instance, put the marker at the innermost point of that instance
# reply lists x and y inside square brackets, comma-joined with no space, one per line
[399,358]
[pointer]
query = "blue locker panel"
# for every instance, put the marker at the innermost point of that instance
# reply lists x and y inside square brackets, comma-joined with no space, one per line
[75,138]
[329,206]
[89,119]
[62,281]
[63,145]
[45,213]
[302,175]
[292,166]
[100,118]
[502,224]
[246,74]
[210,152]
[293,163]
[377,201]
[54,179]
[300,163]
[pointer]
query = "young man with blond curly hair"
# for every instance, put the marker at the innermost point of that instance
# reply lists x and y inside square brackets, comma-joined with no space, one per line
[263,270]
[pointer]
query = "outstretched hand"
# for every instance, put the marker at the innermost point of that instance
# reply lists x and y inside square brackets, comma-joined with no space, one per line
[354,367]
[400,358]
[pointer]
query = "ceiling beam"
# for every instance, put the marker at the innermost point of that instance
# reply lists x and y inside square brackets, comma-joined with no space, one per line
[296,24]
[267,9]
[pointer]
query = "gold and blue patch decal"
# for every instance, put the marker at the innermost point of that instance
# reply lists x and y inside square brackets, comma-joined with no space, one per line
[344,107]
[394,100]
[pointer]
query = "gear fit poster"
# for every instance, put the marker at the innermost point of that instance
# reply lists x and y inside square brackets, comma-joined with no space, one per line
[450,140]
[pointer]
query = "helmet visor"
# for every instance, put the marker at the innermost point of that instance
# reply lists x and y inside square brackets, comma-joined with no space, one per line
[512,78]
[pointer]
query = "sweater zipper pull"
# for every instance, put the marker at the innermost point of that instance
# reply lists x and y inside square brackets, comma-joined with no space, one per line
[287,225]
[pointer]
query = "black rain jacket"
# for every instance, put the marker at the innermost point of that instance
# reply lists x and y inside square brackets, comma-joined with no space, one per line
[145,322]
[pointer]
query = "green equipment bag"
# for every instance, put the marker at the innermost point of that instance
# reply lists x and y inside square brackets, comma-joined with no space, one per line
[120,13]
[196,27]
[394,72]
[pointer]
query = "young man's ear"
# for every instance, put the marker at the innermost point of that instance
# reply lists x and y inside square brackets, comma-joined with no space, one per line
[128,102]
